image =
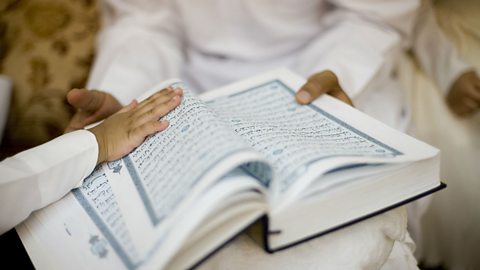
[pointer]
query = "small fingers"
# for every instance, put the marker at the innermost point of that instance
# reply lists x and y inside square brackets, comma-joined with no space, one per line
[138,134]
[156,111]
[133,104]
[161,96]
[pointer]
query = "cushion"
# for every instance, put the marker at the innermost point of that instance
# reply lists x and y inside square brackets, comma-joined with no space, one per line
[48,48]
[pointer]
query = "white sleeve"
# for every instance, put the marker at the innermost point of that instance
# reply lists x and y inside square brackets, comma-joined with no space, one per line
[139,45]
[360,37]
[434,52]
[39,176]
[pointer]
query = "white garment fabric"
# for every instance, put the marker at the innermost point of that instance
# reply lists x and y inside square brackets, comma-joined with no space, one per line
[209,43]
[448,230]
[42,175]
[440,60]
[450,227]
[212,42]
[377,243]
[436,55]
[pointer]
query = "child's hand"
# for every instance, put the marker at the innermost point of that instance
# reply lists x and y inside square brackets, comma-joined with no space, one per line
[464,96]
[120,133]
[324,82]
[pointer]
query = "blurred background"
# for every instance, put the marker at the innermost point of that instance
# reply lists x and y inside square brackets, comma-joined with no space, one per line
[451,226]
[47,48]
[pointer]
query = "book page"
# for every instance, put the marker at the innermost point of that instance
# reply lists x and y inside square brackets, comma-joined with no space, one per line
[118,225]
[92,229]
[135,203]
[171,168]
[169,164]
[293,136]
[99,201]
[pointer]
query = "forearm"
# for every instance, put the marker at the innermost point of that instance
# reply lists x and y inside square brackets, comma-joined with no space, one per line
[44,174]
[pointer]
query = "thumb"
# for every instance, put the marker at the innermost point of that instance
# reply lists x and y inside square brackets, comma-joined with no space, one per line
[82,99]
[325,82]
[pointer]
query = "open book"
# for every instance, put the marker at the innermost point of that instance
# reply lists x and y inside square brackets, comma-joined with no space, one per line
[240,154]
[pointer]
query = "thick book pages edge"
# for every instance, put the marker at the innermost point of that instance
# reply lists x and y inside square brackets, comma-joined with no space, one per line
[258,231]
[266,231]
[228,241]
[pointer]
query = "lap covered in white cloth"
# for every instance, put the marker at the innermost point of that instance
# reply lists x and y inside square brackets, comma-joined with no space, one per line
[381,242]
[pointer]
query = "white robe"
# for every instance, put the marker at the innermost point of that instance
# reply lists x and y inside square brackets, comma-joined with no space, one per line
[435,54]
[212,42]
[42,175]
[439,59]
